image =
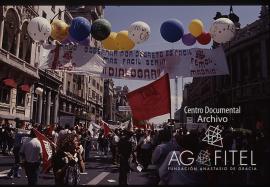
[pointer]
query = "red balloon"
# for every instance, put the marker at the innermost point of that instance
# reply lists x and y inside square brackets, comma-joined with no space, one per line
[204,38]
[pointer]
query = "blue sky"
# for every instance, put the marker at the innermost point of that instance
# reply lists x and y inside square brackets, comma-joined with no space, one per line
[122,16]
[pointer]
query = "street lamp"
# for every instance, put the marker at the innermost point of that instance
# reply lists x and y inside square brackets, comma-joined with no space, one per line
[39,91]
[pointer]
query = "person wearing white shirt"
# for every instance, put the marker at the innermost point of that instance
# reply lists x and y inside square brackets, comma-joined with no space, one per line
[31,152]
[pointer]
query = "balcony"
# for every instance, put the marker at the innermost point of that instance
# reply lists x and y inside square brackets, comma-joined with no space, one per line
[18,63]
[69,93]
[52,74]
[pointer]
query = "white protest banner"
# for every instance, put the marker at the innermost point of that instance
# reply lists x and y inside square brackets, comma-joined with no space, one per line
[124,108]
[66,120]
[137,65]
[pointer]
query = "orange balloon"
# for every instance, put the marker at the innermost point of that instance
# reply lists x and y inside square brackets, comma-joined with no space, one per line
[123,42]
[59,30]
[110,42]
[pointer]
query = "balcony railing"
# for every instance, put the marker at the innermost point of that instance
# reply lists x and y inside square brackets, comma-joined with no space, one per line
[53,74]
[73,95]
[18,63]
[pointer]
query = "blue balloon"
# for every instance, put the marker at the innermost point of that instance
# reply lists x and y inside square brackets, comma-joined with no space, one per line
[172,30]
[80,28]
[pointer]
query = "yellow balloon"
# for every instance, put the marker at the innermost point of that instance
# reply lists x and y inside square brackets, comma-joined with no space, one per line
[196,27]
[59,30]
[110,43]
[123,42]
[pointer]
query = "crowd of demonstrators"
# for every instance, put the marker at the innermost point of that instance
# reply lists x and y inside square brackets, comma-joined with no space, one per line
[72,145]
[144,147]
[7,136]
[21,133]
[183,177]
[103,143]
[131,150]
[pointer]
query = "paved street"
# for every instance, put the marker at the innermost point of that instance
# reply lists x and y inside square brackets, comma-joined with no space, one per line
[99,171]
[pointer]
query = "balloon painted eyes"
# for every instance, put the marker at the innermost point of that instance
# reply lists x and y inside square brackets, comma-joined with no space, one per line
[137,31]
[34,34]
[222,30]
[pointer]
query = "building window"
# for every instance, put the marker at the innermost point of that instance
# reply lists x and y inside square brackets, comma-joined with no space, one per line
[101,88]
[69,108]
[100,99]
[94,82]
[68,87]
[25,44]
[11,29]
[44,14]
[93,110]
[89,92]
[98,86]
[20,98]
[4,94]
[64,106]
[93,94]
[74,87]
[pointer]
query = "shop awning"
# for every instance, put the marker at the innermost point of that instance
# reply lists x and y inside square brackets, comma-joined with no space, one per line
[10,83]
[25,88]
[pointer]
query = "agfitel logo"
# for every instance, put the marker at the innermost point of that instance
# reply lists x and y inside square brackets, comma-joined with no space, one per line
[204,158]
[213,138]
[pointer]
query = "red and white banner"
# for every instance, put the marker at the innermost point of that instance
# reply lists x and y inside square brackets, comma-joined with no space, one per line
[136,65]
[105,127]
[47,149]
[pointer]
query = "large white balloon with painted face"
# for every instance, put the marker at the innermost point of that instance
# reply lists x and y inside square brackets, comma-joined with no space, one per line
[222,30]
[39,29]
[139,32]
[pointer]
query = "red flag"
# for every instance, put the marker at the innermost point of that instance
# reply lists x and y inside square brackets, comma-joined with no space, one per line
[47,150]
[151,100]
[105,127]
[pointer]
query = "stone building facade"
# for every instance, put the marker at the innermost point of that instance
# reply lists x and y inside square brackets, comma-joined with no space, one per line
[109,104]
[18,59]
